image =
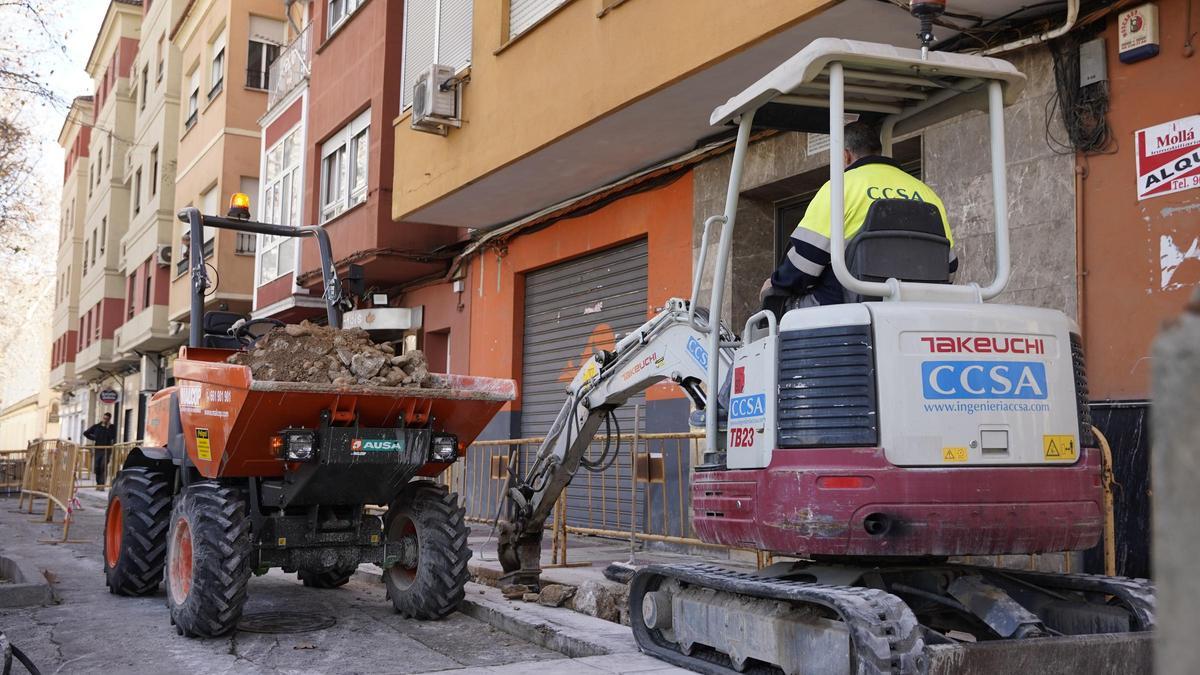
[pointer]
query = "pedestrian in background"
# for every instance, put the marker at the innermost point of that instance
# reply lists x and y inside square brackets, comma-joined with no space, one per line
[102,435]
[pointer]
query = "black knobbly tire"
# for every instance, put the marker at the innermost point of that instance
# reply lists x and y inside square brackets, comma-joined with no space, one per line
[431,585]
[327,579]
[208,560]
[135,530]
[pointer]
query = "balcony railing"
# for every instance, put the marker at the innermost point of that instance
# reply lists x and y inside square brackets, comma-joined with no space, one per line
[290,70]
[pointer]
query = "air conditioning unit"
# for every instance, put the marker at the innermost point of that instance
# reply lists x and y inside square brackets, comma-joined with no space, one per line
[436,100]
[162,255]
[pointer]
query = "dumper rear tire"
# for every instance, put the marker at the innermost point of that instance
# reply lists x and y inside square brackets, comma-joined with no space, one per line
[135,530]
[327,579]
[428,530]
[208,560]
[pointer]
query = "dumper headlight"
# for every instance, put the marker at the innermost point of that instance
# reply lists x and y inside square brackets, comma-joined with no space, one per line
[443,448]
[296,445]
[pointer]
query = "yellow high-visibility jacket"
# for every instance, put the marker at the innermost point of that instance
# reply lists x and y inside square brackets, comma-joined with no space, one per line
[805,269]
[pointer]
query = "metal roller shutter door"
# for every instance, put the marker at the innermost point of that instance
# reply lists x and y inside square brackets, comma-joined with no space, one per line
[570,310]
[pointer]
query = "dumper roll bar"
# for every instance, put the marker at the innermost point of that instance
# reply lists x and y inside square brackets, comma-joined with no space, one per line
[197,222]
[904,90]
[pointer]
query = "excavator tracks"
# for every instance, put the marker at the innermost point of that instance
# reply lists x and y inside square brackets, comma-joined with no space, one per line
[884,634]
[1135,594]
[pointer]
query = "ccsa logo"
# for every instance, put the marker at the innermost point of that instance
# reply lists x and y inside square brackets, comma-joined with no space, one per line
[747,407]
[984,379]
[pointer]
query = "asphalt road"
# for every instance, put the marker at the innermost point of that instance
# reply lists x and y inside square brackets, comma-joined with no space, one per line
[91,630]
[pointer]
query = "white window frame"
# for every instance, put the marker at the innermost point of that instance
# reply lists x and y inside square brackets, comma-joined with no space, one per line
[158,73]
[345,158]
[137,191]
[193,101]
[339,12]
[409,71]
[281,204]
[264,73]
[216,68]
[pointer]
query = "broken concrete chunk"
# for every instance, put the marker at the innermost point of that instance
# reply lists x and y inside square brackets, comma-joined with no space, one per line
[555,595]
[514,591]
[366,364]
[308,352]
[596,600]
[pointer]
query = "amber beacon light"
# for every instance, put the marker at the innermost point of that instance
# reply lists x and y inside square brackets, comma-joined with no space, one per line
[239,206]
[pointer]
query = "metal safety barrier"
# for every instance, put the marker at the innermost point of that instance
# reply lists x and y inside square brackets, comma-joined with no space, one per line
[645,496]
[12,470]
[50,474]
[54,469]
[115,456]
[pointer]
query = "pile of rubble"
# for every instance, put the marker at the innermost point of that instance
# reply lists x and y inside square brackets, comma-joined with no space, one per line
[307,352]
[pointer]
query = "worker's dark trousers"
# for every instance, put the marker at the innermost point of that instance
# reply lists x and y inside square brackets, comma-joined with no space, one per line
[100,465]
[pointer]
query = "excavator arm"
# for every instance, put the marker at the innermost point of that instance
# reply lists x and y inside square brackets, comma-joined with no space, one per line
[669,346]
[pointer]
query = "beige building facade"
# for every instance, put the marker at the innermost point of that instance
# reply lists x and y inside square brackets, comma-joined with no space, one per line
[221,100]
[101,303]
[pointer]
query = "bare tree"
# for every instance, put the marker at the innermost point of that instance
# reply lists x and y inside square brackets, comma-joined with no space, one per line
[30,47]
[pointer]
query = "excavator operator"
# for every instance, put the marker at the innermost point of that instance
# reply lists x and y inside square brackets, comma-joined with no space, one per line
[805,278]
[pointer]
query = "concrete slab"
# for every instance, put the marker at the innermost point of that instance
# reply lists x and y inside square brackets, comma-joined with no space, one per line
[22,584]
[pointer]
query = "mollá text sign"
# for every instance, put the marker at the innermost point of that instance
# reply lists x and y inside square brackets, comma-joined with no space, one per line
[1168,157]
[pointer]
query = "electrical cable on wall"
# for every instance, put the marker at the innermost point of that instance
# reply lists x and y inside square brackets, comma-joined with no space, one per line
[1082,110]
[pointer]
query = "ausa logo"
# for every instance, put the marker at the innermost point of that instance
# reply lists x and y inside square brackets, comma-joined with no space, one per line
[361,446]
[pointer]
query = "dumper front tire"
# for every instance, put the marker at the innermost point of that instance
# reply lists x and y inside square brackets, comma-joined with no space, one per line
[208,560]
[427,530]
[327,579]
[135,530]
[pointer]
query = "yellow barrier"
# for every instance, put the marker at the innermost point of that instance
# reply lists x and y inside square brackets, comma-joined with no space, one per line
[54,470]
[50,474]
[12,470]
[648,498]
[84,469]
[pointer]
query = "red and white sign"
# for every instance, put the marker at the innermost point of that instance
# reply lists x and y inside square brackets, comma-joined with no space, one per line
[1168,157]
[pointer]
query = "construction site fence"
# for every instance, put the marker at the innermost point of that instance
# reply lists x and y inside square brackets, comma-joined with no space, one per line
[12,470]
[644,495]
[54,469]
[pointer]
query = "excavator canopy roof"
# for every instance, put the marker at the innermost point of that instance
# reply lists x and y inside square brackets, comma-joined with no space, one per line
[881,81]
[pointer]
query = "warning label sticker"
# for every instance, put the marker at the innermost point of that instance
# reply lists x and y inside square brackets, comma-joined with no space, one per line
[203,448]
[954,454]
[1059,448]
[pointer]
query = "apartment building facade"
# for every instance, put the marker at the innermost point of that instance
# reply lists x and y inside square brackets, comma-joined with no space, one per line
[586,167]
[75,140]
[328,158]
[98,366]
[145,338]
[225,48]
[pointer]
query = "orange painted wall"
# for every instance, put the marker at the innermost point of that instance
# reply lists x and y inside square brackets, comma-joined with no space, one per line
[1125,299]
[446,311]
[663,215]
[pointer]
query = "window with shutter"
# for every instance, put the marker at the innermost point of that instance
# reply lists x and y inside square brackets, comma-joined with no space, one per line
[435,31]
[522,14]
[216,76]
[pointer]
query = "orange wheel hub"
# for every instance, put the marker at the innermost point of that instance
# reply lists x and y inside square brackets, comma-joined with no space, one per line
[114,525]
[181,561]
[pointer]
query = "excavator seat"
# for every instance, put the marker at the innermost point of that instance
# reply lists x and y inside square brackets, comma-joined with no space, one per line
[902,239]
[216,330]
